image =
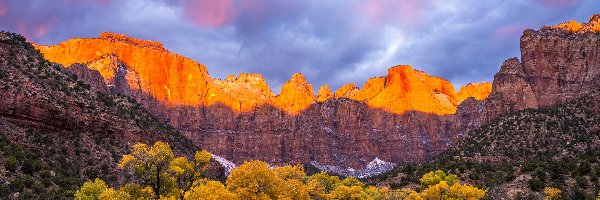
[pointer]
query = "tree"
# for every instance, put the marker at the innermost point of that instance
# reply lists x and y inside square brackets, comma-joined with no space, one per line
[435,177]
[348,192]
[91,190]
[112,194]
[293,185]
[186,173]
[210,190]
[254,180]
[551,193]
[442,190]
[150,164]
[320,184]
[137,192]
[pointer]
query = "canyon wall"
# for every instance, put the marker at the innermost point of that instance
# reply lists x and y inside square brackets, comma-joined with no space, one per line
[406,116]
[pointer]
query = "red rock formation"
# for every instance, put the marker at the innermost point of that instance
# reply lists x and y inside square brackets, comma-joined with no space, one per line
[324,93]
[296,95]
[347,91]
[242,93]
[479,91]
[406,116]
[89,76]
[240,118]
[593,26]
[169,78]
[371,88]
[407,89]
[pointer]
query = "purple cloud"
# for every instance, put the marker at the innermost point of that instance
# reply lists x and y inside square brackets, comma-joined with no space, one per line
[331,42]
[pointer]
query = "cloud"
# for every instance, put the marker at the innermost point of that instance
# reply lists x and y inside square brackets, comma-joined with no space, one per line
[213,13]
[2,9]
[557,3]
[332,42]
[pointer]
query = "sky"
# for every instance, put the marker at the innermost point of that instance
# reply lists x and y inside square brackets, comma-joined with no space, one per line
[331,42]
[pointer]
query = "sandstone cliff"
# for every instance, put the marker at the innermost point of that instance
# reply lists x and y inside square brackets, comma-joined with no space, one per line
[406,116]
[59,131]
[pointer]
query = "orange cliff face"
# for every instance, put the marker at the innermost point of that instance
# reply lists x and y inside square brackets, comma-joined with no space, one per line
[479,91]
[296,95]
[242,93]
[593,26]
[169,78]
[324,93]
[133,66]
[408,89]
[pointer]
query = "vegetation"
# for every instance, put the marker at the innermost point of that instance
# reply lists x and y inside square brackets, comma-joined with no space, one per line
[536,151]
[50,158]
[158,174]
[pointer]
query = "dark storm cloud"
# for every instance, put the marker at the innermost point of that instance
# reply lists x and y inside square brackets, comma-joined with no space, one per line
[331,42]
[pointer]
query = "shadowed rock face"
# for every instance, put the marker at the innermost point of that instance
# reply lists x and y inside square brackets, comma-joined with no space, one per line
[406,116]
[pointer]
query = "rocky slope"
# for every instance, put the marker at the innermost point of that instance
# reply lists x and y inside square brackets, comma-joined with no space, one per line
[57,131]
[518,154]
[540,122]
[406,116]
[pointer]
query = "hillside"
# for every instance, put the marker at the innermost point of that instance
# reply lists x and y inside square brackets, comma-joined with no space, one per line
[57,132]
[520,153]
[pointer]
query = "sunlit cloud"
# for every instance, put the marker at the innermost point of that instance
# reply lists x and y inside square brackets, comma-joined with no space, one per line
[557,3]
[212,13]
[332,42]
[2,9]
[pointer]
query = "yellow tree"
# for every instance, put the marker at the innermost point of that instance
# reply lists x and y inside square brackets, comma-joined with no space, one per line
[348,192]
[254,180]
[187,173]
[209,191]
[551,193]
[464,191]
[456,191]
[91,190]
[112,194]
[293,185]
[150,165]
[137,192]
[434,177]
[320,184]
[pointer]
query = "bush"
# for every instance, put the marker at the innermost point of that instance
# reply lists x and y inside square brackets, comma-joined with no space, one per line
[535,184]
[11,164]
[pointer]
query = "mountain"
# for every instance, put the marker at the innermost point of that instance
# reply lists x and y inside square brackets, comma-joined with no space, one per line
[57,131]
[240,118]
[541,122]
[404,117]
[520,153]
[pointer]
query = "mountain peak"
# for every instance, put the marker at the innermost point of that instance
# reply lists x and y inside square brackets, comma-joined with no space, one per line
[479,91]
[296,95]
[572,26]
[116,37]
[298,78]
[324,93]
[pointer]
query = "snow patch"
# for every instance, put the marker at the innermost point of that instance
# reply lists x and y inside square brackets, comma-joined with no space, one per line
[228,165]
[375,167]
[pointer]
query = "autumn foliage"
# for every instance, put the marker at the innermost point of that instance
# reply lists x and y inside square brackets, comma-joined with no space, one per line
[161,175]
